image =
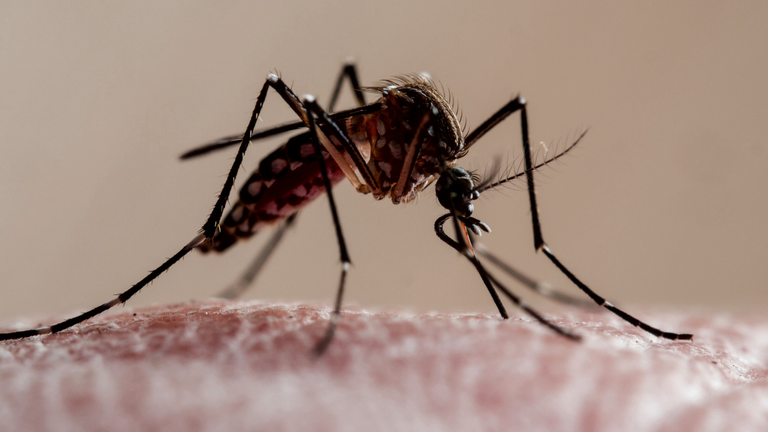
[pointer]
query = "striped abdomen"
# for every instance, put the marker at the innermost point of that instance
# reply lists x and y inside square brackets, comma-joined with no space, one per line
[287,179]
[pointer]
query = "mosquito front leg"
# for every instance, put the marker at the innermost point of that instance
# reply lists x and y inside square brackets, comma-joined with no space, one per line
[541,288]
[464,248]
[519,104]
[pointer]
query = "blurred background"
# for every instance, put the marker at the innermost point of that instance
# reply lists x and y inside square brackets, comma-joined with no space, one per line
[661,206]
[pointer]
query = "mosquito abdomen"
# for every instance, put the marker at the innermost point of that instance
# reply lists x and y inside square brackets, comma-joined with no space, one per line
[286,180]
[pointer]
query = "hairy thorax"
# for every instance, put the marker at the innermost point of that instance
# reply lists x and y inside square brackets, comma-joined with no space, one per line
[403,157]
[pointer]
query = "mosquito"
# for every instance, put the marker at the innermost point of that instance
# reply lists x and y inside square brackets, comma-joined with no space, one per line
[394,148]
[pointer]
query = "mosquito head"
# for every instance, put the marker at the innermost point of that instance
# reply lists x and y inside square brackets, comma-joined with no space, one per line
[456,188]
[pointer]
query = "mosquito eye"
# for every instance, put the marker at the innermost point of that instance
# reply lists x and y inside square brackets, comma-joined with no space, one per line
[463,209]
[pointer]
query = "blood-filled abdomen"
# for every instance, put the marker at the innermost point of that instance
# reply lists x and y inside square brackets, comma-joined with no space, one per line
[287,179]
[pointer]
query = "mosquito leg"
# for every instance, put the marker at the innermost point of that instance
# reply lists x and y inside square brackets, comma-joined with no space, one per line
[344,254]
[232,140]
[486,276]
[330,128]
[207,232]
[541,245]
[541,288]
[524,306]
[212,224]
[464,247]
[518,104]
[122,298]
[409,163]
[350,71]
[602,302]
[237,288]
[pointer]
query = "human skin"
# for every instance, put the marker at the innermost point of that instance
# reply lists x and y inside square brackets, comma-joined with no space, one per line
[231,366]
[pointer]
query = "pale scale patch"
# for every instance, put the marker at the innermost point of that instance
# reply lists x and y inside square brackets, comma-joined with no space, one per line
[306,150]
[245,227]
[380,128]
[396,149]
[254,188]
[386,168]
[300,191]
[271,208]
[237,214]
[278,165]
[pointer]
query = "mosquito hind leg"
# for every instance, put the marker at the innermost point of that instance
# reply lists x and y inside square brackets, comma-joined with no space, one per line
[208,230]
[211,226]
[206,234]
[237,288]
[120,299]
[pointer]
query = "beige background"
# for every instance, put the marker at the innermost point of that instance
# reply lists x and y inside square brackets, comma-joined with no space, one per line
[664,203]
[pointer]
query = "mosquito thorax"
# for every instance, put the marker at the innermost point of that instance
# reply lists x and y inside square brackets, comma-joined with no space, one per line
[455,188]
[409,140]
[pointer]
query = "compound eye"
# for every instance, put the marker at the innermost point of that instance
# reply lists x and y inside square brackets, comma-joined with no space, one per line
[463,208]
[470,209]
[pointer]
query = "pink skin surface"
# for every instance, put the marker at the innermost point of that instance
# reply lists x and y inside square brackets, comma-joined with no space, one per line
[248,366]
